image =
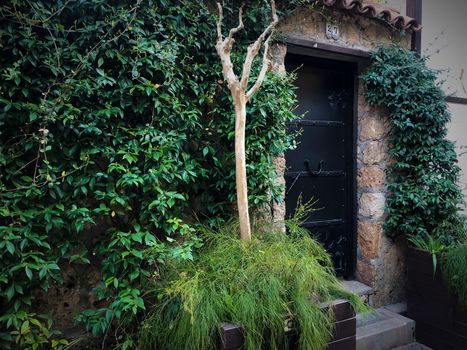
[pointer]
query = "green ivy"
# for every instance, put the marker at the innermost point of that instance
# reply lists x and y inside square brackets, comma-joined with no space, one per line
[116,138]
[424,198]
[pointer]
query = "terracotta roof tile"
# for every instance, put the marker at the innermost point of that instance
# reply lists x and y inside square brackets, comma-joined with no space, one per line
[377,11]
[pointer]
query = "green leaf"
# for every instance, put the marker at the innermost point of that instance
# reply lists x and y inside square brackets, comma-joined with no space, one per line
[10,247]
[53,266]
[134,275]
[25,327]
[10,292]
[42,273]
[60,206]
[28,272]
[137,253]
[138,237]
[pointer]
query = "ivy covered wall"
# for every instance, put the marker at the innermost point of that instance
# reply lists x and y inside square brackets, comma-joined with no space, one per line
[116,139]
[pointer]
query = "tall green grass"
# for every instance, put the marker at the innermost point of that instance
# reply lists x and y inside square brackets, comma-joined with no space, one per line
[256,284]
[455,272]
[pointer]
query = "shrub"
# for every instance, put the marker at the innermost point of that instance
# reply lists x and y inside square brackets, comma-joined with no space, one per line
[255,284]
[424,197]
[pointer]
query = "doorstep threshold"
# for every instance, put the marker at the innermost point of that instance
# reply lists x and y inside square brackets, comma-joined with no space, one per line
[357,287]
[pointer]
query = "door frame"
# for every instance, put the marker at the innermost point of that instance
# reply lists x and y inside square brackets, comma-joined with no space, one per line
[360,59]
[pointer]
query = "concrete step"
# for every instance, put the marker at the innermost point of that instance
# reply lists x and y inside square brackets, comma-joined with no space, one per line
[382,329]
[358,288]
[413,346]
[399,308]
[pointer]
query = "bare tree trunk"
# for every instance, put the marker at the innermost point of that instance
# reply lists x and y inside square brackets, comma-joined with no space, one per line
[241,96]
[240,166]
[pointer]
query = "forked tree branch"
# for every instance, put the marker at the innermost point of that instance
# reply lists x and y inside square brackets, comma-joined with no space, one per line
[224,47]
[254,48]
[233,31]
[228,42]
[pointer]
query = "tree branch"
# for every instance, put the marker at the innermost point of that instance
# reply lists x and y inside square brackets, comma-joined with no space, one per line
[254,48]
[224,46]
[219,22]
[262,73]
[233,31]
[229,40]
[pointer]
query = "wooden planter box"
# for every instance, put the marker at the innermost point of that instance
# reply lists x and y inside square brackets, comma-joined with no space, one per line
[344,333]
[440,321]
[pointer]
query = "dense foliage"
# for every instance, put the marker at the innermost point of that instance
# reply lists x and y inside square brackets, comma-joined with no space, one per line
[116,135]
[257,284]
[424,197]
[455,272]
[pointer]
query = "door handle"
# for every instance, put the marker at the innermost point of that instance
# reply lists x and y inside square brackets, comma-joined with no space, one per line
[320,167]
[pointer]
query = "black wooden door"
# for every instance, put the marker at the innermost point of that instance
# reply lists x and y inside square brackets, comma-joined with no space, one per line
[321,167]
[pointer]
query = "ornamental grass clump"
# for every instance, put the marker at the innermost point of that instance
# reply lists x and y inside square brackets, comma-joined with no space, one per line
[455,272]
[257,284]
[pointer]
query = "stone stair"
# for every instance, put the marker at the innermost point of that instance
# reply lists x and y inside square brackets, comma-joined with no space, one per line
[413,346]
[382,329]
[385,328]
[364,291]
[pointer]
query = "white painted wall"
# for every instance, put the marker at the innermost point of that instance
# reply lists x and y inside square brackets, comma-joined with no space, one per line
[444,40]
[398,5]
[458,134]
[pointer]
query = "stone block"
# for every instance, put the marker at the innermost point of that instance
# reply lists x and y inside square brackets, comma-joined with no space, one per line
[373,128]
[371,205]
[371,177]
[278,52]
[392,288]
[369,238]
[374,153]
[365,110]
[278,209]
[357,287]
[366,273]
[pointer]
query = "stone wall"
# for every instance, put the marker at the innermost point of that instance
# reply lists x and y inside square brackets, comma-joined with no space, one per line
[356,31]
[380,261]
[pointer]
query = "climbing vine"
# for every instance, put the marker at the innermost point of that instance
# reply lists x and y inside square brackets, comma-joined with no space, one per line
[116,139]
[424,198]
